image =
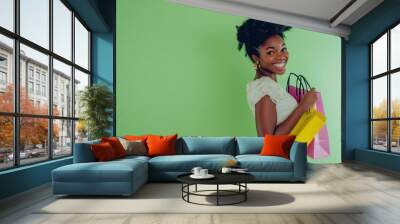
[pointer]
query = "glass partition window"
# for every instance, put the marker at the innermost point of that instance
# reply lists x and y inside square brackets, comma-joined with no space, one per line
[40,80]
[35,21]
[379,97]
[7,14]
[81,45]
[62,89]
[6,74]
[81,82]
[379,130]
[62,32]
[33,140]
[62,137]
[6,142]
[38,62]
[379,56]
[385,94]
[395,47]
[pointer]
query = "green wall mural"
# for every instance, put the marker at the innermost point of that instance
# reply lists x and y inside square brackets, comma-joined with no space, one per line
[178,70]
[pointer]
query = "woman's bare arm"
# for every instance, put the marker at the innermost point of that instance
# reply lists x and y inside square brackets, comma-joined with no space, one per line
[266,118]
[287,125]
[265,113]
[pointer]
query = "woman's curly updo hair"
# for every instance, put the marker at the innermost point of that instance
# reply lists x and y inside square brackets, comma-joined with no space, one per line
[252,33]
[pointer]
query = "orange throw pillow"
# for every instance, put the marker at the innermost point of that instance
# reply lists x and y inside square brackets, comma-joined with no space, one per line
[161,145]
[103,152]
[116,145]
[277,145]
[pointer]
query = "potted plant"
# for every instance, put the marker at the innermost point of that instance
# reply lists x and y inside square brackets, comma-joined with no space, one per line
[97,103]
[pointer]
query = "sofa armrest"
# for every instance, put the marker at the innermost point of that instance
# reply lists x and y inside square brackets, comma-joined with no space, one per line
[83,152]
[298,155]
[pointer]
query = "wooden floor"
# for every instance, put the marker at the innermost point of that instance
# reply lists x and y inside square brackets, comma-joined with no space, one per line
[377,188]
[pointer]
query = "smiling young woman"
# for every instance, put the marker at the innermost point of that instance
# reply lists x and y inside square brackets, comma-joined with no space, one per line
[276,112]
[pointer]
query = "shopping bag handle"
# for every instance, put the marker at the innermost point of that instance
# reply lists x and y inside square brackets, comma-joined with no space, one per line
[288,80]
[302,85]
[304,80]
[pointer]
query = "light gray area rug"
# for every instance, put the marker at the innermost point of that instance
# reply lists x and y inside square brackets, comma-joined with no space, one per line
[166,198]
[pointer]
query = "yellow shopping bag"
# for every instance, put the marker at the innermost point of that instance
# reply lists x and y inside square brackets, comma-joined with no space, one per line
[308,126]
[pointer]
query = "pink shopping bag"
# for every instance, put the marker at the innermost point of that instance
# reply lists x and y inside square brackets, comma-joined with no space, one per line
[319,146]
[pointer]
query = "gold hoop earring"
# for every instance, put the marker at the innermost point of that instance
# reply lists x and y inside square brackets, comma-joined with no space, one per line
[258,65]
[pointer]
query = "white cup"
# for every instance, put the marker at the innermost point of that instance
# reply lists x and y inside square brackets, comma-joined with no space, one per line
[196,171]
[226,170]
[203,172]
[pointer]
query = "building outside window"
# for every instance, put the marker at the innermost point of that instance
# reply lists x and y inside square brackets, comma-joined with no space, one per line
[44,77]
[38,89]
[3,78]
[55,94]
[385,91]
[30,87]
[43,90]
[3,61]
[35,73]
[30,72]
[3,81]
[3,72]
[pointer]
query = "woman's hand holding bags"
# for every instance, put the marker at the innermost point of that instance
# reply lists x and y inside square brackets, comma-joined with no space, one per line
[311,126]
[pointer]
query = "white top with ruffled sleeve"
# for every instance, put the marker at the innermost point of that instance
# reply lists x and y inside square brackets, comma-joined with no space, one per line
[284,102]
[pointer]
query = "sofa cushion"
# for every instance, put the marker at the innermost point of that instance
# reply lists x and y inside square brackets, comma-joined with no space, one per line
[249,145]
[103,152]
[257,163]
[111,171]
[83,152]
[133,158]
[161,145]
[136,147]
[185,163]
[277,145]
[116,145]
[207,145]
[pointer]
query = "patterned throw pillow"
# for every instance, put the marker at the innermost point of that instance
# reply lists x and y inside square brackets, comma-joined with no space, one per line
[135,147]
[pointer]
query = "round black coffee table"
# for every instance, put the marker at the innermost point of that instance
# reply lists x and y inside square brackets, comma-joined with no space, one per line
[238,179]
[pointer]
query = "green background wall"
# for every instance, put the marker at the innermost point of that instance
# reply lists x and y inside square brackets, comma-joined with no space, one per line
[178,70]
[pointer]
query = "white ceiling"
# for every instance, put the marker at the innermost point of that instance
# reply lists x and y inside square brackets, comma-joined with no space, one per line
[325,16]
[321,9]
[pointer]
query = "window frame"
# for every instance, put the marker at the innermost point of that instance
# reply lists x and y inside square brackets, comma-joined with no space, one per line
[388,74]
[16,115]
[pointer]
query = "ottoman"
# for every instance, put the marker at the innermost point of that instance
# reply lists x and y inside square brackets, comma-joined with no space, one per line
[119,177]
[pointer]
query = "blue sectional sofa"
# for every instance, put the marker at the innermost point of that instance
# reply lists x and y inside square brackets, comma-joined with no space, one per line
[125,176]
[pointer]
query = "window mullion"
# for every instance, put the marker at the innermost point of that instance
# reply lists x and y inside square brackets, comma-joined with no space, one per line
[371,89]
[389,106]
[88,56]
[16,84]
[50,87]
[73,82]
